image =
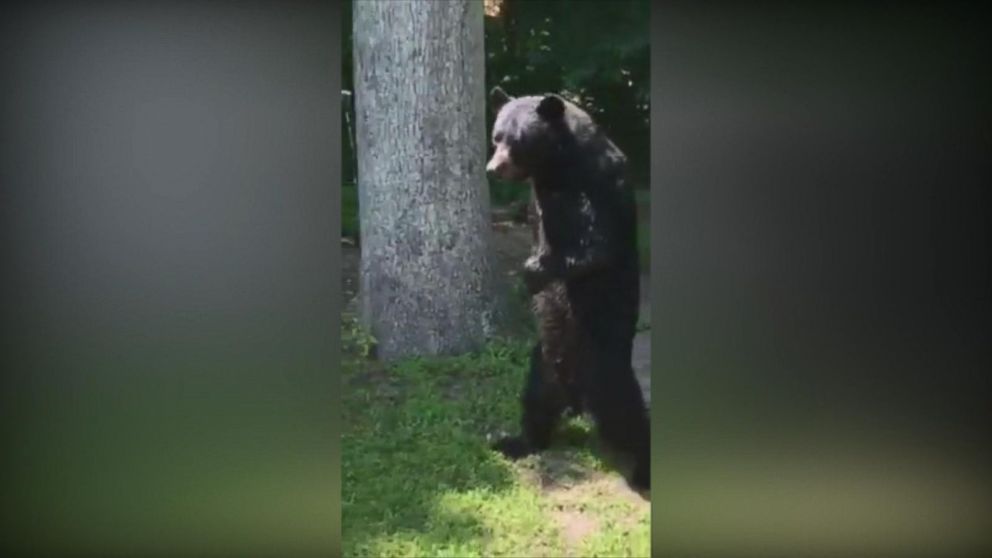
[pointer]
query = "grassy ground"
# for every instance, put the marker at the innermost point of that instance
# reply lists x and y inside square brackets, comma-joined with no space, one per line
[419,479]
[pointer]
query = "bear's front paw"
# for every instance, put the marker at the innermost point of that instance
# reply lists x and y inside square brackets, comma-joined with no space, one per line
[535,275]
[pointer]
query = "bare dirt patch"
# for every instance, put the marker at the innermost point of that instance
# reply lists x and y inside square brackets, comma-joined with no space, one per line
[575,526]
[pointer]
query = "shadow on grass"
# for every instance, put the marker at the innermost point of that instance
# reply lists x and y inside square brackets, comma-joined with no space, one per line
[422,516]
[396,493]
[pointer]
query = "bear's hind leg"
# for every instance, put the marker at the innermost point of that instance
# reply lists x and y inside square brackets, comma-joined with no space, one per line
[616,403]
[542,408]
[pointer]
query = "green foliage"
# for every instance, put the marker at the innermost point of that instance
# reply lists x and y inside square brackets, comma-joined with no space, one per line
[505,193]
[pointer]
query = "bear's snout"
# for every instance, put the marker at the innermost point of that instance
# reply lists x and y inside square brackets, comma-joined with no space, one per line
[495,168]
[501,166]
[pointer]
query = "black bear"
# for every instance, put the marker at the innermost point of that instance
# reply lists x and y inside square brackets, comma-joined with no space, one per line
[583,274]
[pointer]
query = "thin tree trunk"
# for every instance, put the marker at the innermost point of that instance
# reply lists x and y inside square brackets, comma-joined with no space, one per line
[426,285]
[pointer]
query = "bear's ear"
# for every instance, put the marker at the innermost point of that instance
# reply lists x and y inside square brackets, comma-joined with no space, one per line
[551,107]
[498,98]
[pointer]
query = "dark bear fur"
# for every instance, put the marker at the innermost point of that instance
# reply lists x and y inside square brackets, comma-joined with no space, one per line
[583,274]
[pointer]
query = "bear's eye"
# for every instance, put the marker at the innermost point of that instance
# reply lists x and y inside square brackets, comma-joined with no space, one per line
[498,138]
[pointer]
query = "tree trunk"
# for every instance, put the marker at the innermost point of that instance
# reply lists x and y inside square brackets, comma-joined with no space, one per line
[426,284]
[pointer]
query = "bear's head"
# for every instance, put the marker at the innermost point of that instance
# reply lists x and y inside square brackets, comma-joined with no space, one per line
[534,135]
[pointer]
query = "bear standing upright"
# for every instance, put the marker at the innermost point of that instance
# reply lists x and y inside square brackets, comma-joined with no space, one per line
[583,274]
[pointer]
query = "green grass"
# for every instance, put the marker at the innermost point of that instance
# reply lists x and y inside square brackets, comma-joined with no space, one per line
[420,480]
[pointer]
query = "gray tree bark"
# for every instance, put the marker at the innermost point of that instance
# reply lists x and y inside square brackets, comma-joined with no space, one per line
[426,284]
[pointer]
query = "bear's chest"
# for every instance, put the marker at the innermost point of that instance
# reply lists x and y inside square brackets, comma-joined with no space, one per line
[563,219]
